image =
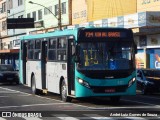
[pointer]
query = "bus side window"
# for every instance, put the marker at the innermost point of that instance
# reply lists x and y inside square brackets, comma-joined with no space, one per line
[52,54]
[37,51]
[62,43]
[62,49]
[61,55]
[30,49]
[52,49]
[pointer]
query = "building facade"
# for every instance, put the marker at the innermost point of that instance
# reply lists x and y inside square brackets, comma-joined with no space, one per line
[46,14]
[10,37]
[148,36]
[85,11]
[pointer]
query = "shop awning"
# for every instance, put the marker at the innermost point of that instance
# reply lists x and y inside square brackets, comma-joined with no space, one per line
[9,51]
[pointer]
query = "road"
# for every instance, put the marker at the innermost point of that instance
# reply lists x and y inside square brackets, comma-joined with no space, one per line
[17,103]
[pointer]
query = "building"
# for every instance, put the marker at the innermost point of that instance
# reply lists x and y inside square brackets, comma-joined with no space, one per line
[47,16]
[96,11]
[148,36]
[10,37]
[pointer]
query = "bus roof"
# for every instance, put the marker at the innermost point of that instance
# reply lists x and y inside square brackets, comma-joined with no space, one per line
[51,34]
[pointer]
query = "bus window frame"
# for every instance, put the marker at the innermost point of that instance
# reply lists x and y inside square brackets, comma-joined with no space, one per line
[62,48]
[49,48]
[30,49]
[57,39]
[37,49]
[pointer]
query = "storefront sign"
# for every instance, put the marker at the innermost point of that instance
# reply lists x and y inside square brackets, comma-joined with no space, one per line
[120,22]
[131,21]
[104,22]
[38,24]
[153,18]
[112,22]
[16,43]
[142,19]
[98,23]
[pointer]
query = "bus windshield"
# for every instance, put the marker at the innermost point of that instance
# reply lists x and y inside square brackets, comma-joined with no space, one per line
[110,55]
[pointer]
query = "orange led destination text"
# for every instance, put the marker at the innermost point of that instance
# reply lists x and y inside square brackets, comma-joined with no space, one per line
[102,34]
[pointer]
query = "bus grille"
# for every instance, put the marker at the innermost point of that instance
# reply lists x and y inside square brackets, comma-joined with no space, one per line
[108,89]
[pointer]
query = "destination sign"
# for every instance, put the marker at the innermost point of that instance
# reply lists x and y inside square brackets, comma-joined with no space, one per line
[102,34]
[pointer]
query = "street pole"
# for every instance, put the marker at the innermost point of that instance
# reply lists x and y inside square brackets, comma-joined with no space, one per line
[59,18]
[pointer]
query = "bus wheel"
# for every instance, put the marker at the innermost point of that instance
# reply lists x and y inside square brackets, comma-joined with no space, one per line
[115,99]
[64,96]
[33,85]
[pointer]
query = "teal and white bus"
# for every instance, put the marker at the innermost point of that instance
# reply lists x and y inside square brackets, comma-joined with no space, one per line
[82,62]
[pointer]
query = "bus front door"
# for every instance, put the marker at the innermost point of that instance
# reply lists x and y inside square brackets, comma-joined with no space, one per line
[43,63]
[71,67]
[24,60]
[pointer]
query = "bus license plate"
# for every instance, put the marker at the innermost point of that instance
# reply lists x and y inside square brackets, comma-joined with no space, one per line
[111,90]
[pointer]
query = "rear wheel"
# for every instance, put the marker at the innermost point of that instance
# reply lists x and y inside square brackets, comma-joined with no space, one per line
[64,96]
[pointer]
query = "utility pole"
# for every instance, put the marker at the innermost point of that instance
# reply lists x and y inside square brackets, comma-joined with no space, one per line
[59,18]
[59,12]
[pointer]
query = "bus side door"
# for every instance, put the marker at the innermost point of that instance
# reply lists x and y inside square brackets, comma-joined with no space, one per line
[43,63]
[71,66]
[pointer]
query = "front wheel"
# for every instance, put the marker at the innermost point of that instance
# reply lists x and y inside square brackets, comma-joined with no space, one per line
[64,96]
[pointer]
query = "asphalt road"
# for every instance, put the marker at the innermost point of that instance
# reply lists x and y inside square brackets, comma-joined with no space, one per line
[17,103]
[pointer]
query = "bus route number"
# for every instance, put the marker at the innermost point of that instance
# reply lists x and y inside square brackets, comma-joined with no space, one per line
[102,34]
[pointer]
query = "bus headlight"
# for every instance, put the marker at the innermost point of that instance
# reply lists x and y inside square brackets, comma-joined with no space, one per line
[84,83]
[131,82]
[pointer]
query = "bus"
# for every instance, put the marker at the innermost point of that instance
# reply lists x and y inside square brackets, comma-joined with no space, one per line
[80,62]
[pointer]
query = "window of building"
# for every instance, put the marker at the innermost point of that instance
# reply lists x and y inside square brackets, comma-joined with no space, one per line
[34,15]
[3,7]
[40,14]
[4,27]
[20,2]
[56,9]
[64,8]
[28,15]
[21,16]
[10,4]
[46,11]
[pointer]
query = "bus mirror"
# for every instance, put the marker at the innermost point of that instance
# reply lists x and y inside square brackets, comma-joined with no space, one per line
[73,50]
